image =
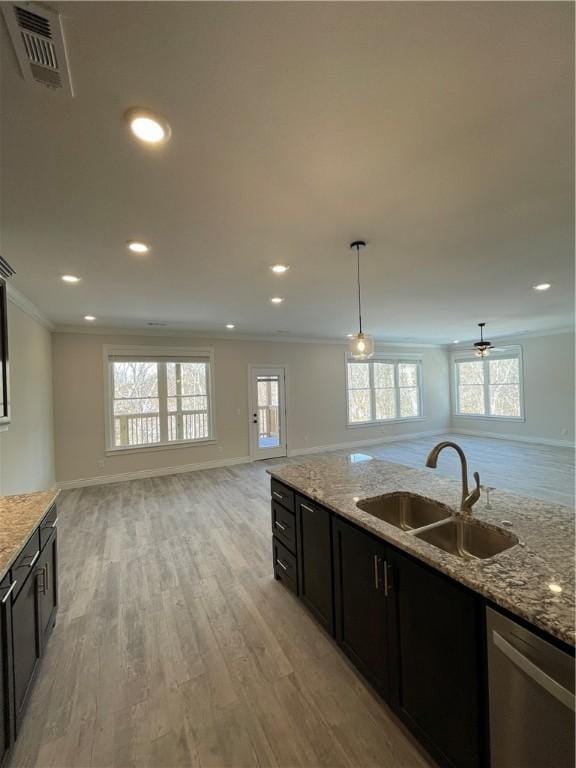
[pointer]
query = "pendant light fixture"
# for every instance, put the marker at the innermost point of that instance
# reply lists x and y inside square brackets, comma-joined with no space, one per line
[361,345]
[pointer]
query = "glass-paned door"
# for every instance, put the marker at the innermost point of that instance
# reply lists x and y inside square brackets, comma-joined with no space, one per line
[267,413]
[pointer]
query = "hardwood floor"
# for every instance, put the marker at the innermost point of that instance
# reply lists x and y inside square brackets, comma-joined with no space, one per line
[174,646]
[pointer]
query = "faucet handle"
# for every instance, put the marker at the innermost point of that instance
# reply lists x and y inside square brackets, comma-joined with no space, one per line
[473,496]
[477,480]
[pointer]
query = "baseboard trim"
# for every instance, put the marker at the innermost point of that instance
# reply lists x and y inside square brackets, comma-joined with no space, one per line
[143,473]
[369,441]
[515,438]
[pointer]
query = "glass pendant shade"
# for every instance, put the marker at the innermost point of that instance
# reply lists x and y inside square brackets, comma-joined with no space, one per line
[361,346]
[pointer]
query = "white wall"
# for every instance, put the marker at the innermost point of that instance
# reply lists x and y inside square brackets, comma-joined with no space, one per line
[315,401]
[27,445]
[548,394]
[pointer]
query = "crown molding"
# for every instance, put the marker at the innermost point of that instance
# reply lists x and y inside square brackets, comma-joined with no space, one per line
[27,306]
[207,335]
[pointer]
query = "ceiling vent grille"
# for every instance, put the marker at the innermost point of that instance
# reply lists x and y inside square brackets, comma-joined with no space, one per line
[38,40]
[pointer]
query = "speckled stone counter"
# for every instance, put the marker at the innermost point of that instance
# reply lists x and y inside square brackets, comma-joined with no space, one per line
[19,516]
[533,580]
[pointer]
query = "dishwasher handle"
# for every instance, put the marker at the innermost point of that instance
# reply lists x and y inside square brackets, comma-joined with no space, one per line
[540,677]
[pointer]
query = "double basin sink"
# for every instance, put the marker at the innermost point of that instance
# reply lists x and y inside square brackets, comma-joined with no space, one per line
[434,523]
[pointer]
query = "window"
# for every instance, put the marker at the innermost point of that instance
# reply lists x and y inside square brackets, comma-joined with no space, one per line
[489,386]
[156,400]
[383,390]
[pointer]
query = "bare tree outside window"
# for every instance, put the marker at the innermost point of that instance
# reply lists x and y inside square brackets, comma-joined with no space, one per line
[381,390]
[489,387]
[159,402]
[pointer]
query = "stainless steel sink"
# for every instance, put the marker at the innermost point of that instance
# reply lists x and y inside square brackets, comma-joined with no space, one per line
[405,510]
[468,539]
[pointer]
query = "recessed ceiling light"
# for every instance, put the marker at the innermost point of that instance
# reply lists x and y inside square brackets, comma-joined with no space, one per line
[136,246]
[70,279]
[542,286]
[349,335]
[148,127]
[90,318]
[456,341]
[279,269]
[230,326]
[276,300]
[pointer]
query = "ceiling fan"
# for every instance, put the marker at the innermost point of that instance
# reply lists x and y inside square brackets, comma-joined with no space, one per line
[483,347]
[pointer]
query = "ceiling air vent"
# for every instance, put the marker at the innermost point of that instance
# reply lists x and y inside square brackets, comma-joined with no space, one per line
[38,39]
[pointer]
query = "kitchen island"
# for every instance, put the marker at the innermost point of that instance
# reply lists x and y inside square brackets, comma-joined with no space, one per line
[411,616]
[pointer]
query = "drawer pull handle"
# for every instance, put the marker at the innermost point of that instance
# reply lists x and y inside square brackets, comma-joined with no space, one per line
[31,563]
[282,565]
[376,572]
[42,586]
[278,495]
[279,525]
[309,509]
[7,595]
[386,582]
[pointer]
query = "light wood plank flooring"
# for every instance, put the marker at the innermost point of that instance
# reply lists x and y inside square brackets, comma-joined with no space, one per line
[175,647]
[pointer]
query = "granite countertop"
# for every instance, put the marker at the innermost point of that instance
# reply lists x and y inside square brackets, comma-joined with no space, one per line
[19,516]
[533,580]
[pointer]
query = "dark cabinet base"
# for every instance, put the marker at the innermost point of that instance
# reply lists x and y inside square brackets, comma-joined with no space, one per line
[28,605]
[415,634]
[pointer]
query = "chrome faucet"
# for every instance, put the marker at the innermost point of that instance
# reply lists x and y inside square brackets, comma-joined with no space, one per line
[468,499]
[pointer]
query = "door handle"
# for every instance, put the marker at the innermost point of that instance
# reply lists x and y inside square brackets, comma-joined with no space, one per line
[7,595]
[31,563]
[377,572]
[41,586]
[386,579]
[377,579]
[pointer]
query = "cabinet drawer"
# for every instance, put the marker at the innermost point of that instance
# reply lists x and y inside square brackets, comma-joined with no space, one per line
[47,525]
[285,566]
[284,526]
[25,562]
[282,494]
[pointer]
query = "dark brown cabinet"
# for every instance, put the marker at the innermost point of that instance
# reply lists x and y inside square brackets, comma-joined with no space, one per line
[361,587]
[26,643]
[6,666]
[47,585]
[435,638]
[28,605]
[313,527]
[415,634]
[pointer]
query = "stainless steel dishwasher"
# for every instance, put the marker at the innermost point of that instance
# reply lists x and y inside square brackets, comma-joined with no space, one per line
[531,689]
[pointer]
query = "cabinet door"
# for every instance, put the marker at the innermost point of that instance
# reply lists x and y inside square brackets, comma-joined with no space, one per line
[436,684]
[315,560]
[360,591]
[47,589]
[26,643]
[6,680]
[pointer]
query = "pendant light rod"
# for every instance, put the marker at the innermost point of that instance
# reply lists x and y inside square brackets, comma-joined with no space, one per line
[359,244]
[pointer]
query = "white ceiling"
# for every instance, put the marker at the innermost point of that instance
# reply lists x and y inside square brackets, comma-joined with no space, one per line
[440,132]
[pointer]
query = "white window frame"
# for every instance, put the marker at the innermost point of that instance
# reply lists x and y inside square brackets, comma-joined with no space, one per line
[511,351]
[385,358]
[160,352]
